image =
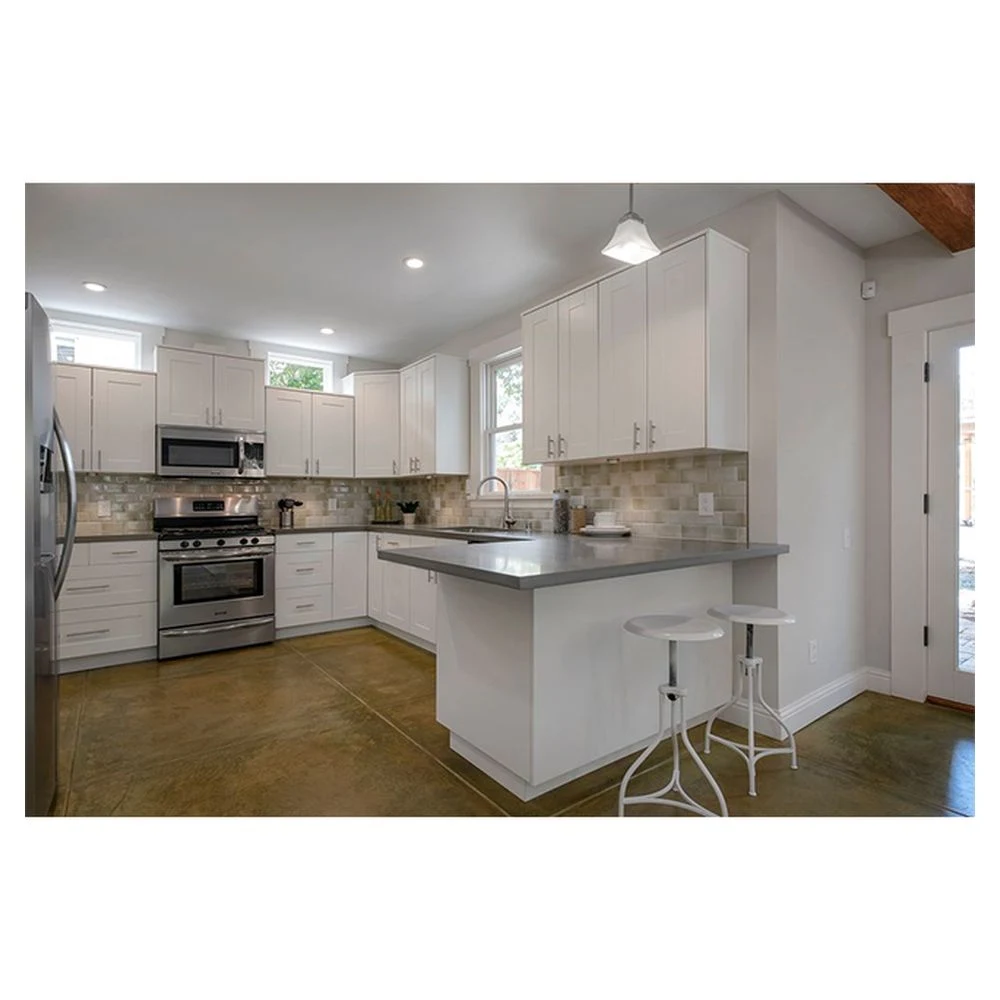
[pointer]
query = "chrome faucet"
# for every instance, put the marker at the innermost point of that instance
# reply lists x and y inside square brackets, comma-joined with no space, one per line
[508,521]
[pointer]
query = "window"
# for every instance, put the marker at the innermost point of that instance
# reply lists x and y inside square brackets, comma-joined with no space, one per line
[79,344]
[503,431]
[288,371]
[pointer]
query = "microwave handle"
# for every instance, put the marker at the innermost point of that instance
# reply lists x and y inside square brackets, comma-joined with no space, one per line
[242,461]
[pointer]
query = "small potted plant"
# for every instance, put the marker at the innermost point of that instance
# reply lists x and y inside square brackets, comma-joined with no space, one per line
[409,509]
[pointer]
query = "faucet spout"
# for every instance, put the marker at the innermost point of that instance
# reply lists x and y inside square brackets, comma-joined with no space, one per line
[508,521]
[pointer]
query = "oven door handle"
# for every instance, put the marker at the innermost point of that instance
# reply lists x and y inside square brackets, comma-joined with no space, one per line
[241,556]
[208,629]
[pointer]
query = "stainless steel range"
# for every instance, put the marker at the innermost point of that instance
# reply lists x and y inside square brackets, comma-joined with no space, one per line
[216,574]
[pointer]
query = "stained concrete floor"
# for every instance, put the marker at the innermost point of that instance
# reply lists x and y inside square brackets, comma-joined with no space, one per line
[342,724]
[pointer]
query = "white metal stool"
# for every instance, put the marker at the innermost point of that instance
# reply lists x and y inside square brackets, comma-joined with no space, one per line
[673,629]
[751,615]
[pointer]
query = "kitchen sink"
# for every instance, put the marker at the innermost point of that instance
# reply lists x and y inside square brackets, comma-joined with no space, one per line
[495,534]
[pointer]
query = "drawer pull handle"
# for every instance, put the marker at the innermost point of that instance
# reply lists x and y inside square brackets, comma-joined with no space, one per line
[96,586]
[304,543]
[302,607]
[95,631]
[126,552]
[308,569]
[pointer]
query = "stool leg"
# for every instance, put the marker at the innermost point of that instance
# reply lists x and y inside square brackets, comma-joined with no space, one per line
[638,762]
[723,810]
[737,694]
[791,739]
[748,666]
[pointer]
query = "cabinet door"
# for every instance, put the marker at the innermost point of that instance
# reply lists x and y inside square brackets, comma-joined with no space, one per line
[423,604]
[540,353]
[675,367]
[395,586]
[426,453]
[289,432]
[124,437]
[578,369]
[72,392]
[375,578]
[239,393]
[409,407]
[332,436]
[622,378]
[376,425]
[350,575]
[184,388]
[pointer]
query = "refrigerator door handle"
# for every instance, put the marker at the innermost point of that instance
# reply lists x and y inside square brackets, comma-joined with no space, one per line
[71,503]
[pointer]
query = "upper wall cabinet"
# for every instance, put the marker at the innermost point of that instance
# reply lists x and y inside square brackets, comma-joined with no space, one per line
[434,415]
[195,389]
[651,359]
[109,416]
[376,423]
[309,434]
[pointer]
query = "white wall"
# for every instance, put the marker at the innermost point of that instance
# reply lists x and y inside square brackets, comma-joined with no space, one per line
[821,452]
[907,272]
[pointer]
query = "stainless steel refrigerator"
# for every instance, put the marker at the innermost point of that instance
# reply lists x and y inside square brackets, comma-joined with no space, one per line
[45,568]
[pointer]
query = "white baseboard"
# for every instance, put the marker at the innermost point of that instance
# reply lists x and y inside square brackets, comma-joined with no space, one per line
[812,706]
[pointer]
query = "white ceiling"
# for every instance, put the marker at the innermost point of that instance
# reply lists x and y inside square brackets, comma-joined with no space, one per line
[276,262]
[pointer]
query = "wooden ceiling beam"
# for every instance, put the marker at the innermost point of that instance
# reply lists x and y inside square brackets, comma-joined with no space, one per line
[946,211]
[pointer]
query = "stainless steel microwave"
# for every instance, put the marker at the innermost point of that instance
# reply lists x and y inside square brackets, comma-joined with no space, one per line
[191,451]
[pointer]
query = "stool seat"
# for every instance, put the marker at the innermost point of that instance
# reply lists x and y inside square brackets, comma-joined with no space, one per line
[751,614]
[679,628]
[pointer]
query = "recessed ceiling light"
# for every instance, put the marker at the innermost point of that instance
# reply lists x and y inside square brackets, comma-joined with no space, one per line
[95,286]
[327,330]
[414,263]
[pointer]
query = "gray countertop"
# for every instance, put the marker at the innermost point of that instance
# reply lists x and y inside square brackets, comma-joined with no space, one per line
[555,560]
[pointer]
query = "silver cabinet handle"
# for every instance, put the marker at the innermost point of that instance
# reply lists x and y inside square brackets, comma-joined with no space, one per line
[220,416]
[96,586]
[549,439]
[208,416]
[417,460]
[394,467]
[301,544]
[126,552]
[83,457]
[317,467]
[302,607]
[93,631]
[652,440]
[562,445]
[100,460]
[428,576]
[307,466]
[307,569]
[635,437]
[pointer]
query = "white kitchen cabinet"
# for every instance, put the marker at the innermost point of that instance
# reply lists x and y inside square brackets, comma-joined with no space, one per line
[303,578]
[73,401]
[313,568]
[540,356]
[109,416]
[621,397]
[434,406]
[332,436]
[376,422]
[196,389]
[350,575]
[696,366]
[309,434]
[395,585]
[124,421]
[578,434]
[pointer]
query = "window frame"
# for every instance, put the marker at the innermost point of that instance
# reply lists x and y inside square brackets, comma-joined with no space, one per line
[59,328]
[483,362]
[326,366]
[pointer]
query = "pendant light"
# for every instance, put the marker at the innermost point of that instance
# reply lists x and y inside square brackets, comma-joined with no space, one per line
[631,242]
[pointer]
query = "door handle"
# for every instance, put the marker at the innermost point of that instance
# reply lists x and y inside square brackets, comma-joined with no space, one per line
[635,437]
[101,586]
[220,416]
[394,467]
[83,457]
[562,445]
[652,440]
[208,416]
[550,446]
[317,466]
[307,466]
[93,631]
[100,460]
[417,460]
[59,577]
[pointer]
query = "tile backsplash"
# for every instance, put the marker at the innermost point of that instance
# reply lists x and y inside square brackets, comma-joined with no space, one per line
[656,497]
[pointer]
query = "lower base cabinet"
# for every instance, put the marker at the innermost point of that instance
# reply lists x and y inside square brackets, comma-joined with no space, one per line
[320,577]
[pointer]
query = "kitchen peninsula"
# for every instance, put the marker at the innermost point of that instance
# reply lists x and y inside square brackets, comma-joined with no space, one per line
[537,682]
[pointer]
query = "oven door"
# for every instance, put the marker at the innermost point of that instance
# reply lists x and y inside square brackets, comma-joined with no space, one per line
[201,588]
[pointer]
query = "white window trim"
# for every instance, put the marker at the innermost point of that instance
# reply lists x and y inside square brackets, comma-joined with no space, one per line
[330,379]
[480,359]
[69,327]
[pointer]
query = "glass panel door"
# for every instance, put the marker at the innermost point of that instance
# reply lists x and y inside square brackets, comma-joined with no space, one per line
[225,580]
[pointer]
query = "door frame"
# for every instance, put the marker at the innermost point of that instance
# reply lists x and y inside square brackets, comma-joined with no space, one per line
[909,330]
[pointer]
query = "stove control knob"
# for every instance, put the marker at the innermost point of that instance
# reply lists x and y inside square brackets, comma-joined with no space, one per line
[243,541]
[184,545]
[221,541]
[197,543]
[254,541]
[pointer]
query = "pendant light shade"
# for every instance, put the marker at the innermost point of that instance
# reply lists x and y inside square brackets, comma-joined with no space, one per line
[630,242]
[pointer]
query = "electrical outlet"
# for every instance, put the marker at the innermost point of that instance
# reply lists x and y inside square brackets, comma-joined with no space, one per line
[437,503]
[813,650]
[104,508]
[706,503]
[331,504]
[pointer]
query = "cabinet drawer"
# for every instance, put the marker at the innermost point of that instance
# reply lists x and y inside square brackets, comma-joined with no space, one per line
[80,557]
[114,553]
[108,586]
[105,630]
[302,606]
[303,569]
[320,542]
